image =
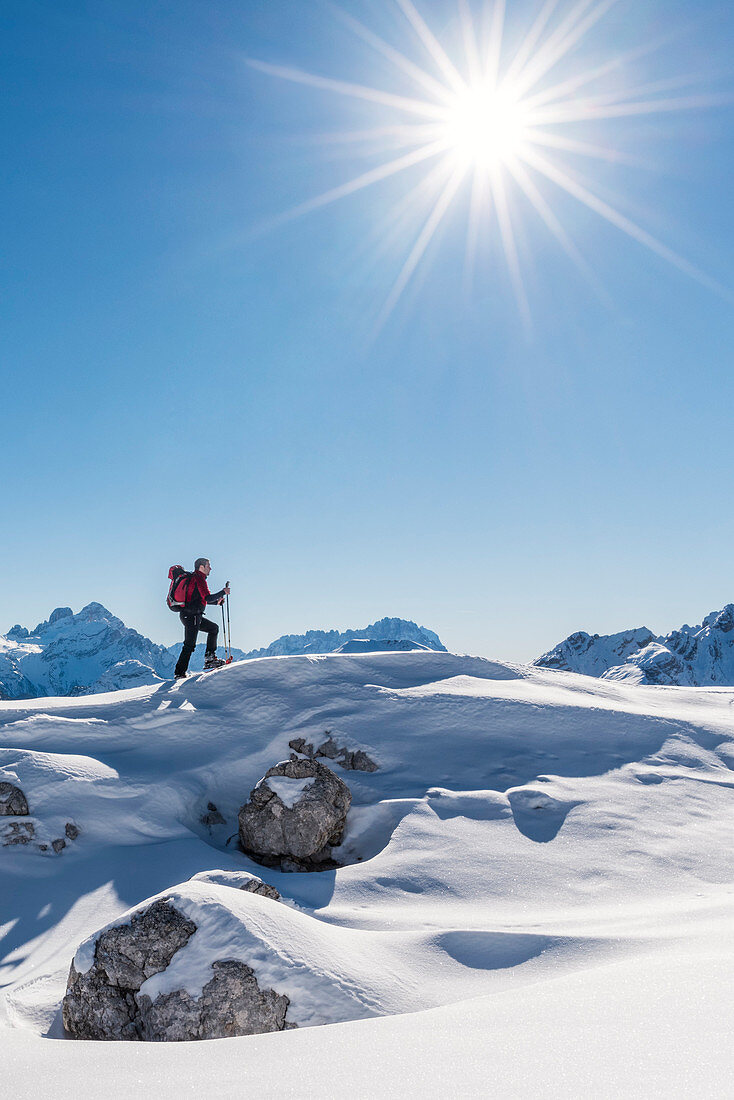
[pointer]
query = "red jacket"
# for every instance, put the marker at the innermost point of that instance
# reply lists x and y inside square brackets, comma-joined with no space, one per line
[200,592]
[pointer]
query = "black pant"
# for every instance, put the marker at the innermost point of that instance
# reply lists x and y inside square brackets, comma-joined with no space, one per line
[193,622]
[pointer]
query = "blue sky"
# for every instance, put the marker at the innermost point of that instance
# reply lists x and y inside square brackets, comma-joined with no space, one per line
[182,377]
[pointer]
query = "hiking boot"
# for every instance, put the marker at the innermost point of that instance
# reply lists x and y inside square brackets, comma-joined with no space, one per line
[180,675]
[213,662]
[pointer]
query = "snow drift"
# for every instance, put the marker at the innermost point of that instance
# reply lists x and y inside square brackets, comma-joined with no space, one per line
[537,872]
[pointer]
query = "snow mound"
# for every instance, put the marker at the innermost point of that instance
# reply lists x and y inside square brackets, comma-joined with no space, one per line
[526,827]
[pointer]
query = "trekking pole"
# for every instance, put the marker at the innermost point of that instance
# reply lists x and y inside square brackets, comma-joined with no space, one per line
[224,630]
[229,632]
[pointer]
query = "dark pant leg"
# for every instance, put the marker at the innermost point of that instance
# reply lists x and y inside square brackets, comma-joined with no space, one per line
[212,630]
[191,624]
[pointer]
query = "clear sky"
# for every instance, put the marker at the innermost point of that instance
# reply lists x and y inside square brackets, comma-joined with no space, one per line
[185,374]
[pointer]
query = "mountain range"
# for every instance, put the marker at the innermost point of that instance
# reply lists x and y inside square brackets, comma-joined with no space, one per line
[693,656]
[94,651]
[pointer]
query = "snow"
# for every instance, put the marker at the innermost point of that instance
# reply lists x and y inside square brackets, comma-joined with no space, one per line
[537,899]
[289,791]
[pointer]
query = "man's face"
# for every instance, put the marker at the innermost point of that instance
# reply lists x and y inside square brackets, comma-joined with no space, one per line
[206,568]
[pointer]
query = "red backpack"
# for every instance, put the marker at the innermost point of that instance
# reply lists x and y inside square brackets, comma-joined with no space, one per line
[181,588]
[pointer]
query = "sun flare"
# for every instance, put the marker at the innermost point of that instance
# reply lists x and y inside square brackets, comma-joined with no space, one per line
[501,123]
[486,126]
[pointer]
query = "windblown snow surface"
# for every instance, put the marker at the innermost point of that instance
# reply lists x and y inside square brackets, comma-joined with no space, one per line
[537,898]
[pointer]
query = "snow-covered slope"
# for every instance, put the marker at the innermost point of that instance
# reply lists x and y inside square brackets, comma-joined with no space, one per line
[537,897]
[94,651]
[694,655]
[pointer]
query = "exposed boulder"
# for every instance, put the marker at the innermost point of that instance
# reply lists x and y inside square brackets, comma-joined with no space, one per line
[106,1000]
[13,802]
[239,880]
[232,1003]
[350,759]
[295,816]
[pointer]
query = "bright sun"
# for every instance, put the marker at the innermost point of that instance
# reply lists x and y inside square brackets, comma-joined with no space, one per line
[499,123]
[486,127]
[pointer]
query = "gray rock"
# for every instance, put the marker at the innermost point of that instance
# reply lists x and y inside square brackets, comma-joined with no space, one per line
[58,844]
[17,832]
[71,830]
[212,816]
[232,1003]
[264,889]
[298,835]
[13,802]
[106,1003]
[351,760]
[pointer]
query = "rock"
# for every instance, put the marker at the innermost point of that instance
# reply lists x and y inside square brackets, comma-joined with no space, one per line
[13,802]
[351,760]
[101,1004]
[232,1003]
[71,830]
[58,844]
[239,880]
[106,1001]
[295,815]
[212,816]
[17,832]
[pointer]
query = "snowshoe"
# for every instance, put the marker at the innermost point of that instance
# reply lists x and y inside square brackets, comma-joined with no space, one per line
[213,662]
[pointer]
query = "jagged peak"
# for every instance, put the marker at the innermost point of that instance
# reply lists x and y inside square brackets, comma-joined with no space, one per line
[59,613]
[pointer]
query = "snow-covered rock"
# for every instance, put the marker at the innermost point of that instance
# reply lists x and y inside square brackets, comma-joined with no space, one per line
[13,802]
[113,994]
[295,816]
[239,880]
[692,656]
[351,759]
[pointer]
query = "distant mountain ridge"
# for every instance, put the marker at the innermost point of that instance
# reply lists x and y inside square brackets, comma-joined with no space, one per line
[94,651]
[693,656]
[328,641]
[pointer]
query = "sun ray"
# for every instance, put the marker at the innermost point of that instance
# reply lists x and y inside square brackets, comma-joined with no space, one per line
[478,200]
[471,46]
[404,135]
[509,245]
[583,148]
[571,31]
[356,91]
[420,76]
[533,194]
[579,80]
[592,113]
[531,39]
[566,181]
[424,239]
[375,175]
[431,43]
[494,49]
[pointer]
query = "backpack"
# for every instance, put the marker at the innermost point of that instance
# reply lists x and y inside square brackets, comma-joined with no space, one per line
[181,588]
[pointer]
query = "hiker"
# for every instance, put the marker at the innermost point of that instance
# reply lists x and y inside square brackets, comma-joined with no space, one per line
[192,617]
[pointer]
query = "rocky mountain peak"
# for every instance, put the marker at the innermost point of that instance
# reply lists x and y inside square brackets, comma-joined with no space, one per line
[59,613]
[692,655]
